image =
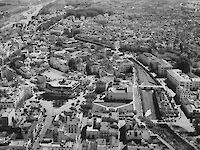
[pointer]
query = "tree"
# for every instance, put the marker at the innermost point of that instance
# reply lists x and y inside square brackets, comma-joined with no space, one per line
[86,106]
[67,33]
[129,70]
[59,42]
[83,133]
[44,11]
[102,22]
[91,96]
[196,124]
[55,135]
[72,64]
[195,65]
[76,31]
[197,72]
[88,71]
[73,108]
[183,63]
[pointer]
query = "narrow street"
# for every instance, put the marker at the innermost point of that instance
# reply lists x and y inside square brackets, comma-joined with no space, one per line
[47,124]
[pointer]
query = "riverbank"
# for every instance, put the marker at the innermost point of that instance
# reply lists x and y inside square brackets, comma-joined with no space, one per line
[25,16]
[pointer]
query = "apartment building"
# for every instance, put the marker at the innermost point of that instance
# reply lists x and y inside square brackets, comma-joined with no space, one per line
[59,64]
[162,67]
[159,66]
[177,78]
[72,125]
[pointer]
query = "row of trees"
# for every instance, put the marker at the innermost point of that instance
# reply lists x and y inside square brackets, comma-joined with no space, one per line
[183,63]
[49,23]
[87,12]
[132,48]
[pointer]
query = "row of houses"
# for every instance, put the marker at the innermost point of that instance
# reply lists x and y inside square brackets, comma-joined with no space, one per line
[159,66]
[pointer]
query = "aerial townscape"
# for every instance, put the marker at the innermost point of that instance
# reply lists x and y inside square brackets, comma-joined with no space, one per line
[100,75]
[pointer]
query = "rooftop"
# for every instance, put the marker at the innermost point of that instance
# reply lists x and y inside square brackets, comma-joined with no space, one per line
[149,55]
[178,75]
[164,63]
[118,89]
[66,83]
[5,100]
[8,112]
[17,143]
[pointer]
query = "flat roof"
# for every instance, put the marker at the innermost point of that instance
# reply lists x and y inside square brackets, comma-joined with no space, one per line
[117,89]
[67,83]
[178,75]
[17,143]
[163,62]
[91,128]
[196,79]
[192,75]
[8,112]
[4,99]
[60,52]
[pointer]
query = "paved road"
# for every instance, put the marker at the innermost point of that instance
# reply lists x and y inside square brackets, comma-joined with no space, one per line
[47,124]
[51,112]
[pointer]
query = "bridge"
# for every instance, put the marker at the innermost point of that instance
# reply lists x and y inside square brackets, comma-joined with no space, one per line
[150,87]
[144,86]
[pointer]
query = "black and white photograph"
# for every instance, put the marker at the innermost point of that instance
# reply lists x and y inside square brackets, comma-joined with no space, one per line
[99,74]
